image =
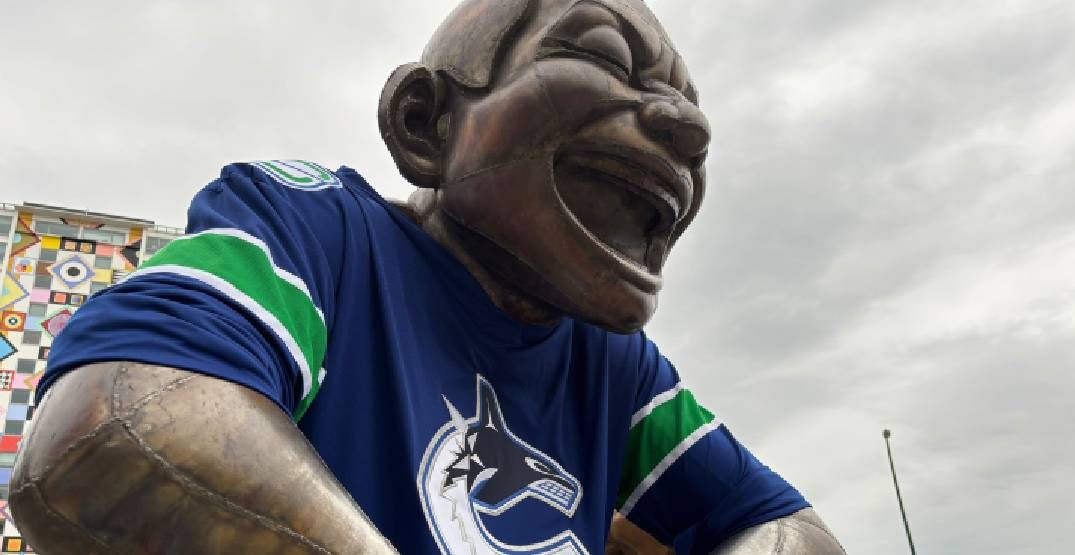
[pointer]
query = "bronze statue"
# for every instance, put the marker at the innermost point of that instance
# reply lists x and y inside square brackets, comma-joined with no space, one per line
[559,152]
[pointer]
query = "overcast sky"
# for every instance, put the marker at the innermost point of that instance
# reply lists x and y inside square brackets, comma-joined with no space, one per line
[888,240]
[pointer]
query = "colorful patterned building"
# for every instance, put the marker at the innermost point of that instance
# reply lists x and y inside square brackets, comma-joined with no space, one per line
[53,260]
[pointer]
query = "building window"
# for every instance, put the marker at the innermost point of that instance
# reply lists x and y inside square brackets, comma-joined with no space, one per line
[75,232]
[55,228]
[154,244]
[104,236]
[5,225]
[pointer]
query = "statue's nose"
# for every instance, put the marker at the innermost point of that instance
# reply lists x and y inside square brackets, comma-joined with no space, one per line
[674,120]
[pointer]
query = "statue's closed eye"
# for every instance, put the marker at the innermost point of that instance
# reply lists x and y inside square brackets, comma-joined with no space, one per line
[601,45]
[589,31]
[608,42]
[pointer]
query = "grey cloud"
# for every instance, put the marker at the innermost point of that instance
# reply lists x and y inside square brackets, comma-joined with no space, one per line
[887,240]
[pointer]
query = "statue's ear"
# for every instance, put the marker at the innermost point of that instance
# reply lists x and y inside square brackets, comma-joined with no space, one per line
[409,116]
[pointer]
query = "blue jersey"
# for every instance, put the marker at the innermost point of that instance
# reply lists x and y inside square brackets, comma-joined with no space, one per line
[454,427]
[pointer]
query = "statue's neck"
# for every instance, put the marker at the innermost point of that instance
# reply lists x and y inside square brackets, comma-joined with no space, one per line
[423,207]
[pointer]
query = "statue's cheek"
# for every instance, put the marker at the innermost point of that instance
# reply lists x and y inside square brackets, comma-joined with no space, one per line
[509,123]
[541,108]
[579,91]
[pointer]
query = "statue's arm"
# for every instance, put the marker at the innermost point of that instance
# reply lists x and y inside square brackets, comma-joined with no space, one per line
[799,533]
[131,458]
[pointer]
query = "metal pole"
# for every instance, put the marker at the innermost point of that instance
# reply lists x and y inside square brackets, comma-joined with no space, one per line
[886,434]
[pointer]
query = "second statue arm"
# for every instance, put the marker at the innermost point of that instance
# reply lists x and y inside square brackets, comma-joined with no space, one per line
[131,458]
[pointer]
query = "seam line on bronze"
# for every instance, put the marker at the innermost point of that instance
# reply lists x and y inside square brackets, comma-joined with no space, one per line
[118,370]
[112,419]
[797,520]
[170,469]
[195,488]
[139,403]
[781,537]
[487,169]
[127,413]
[36,492]
[74,445]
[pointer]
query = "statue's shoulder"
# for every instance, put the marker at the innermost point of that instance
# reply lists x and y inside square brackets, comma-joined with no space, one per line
[310,193]
[307,192]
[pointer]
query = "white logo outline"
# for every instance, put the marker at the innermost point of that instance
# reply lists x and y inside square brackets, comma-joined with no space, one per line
[452,513]
[299,174]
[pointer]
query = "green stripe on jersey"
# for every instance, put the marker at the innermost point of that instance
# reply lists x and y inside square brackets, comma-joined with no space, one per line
[231,256]
[656,437]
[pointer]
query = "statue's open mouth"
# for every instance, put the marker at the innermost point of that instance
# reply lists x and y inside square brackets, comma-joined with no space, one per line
[628,200]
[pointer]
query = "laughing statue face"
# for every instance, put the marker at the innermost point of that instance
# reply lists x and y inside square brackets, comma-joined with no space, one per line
[562,150]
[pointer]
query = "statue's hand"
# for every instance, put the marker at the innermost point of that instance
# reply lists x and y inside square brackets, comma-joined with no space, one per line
[627,539]
[802,533]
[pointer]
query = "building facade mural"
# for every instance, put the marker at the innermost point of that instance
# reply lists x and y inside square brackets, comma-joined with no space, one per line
[53,260]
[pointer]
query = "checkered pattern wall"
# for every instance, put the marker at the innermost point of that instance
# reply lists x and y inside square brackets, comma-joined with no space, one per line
[45,280]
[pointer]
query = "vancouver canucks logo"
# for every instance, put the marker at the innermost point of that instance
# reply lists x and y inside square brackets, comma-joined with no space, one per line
[476,469]
[299,174]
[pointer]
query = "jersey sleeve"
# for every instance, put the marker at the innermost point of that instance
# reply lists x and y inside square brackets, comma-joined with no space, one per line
[245,295]
[683,471]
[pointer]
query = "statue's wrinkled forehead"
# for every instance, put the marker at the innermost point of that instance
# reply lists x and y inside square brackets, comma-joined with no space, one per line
[654,56]
[468,43]
[644,23]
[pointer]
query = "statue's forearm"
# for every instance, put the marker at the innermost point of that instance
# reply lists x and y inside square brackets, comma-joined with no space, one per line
[129,458]
[801,533]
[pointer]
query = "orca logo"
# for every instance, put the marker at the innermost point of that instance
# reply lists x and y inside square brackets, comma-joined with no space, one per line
[477,468]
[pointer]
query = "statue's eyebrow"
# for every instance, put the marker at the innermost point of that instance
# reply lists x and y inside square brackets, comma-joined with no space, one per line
[641,34]
[638,33]
[648,45]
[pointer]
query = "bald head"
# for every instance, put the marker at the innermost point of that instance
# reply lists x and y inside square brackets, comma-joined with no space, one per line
[469,42]
[565,145]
